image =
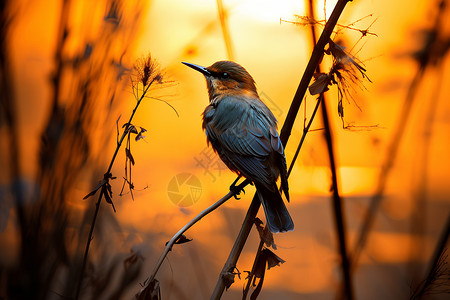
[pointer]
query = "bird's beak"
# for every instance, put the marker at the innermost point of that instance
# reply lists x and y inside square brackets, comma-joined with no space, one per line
[201,69]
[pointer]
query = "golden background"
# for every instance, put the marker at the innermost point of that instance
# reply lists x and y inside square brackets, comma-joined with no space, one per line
[415,204]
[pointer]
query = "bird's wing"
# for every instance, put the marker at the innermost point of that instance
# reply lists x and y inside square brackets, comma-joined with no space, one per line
[278,147]
[245,139]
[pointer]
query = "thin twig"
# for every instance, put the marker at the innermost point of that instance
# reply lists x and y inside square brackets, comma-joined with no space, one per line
[63,31]
[88,243]
[337,206]
[184,229]
[316,56]
[124,134]
[252,272]
[225,30]
[385,170]
[418,216]
[305,131]
[170,105]
[309,21]
[97,205]
[439,250]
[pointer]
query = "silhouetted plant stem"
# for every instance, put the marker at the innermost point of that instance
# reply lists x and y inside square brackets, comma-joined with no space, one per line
[125,132]
[225,31]
[63,32]
[429,55]
[191,223]
[314,61]
[305,131]
[252,272]
[434,265]
[418,216]
[8,113]
[386,169]
[230,264]
[88,243]
[105,181]
[337,207]
[284,136]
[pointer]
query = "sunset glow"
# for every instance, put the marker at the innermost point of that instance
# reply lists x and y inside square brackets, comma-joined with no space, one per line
[73,73]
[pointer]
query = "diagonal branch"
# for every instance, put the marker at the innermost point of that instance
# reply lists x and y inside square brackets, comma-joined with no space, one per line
[337,205]
[97,205]
[230,264]
[314,61]
[284,136]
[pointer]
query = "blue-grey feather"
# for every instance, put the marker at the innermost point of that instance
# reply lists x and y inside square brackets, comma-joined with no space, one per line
[243,132]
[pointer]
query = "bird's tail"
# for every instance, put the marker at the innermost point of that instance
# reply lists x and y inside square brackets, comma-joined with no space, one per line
[277,215]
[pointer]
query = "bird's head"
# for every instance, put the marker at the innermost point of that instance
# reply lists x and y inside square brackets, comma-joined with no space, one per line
[225,77]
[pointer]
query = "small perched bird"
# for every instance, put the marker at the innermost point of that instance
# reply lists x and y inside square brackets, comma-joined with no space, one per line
[243,131]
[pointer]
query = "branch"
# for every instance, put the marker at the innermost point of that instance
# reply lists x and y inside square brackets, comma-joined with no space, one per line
[230,264]
[305,131]
[337,208]
[252,272]
[314,61]
[226,33]
[284,136]
[106,182]
[337,205]
[191,223]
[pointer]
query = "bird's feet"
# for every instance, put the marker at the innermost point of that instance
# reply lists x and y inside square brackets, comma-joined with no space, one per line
[236,189]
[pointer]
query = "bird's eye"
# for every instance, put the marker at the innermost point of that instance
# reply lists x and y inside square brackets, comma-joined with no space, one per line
[225,75]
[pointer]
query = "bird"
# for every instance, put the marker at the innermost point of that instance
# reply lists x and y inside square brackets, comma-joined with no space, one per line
[243,132]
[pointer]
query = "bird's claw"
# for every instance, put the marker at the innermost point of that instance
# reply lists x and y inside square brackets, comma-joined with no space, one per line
[237,191]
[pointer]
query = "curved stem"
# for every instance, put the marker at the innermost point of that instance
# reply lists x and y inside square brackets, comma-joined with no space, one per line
[184,229]
[305,131]
[124,134]
[97,205]
[86,251]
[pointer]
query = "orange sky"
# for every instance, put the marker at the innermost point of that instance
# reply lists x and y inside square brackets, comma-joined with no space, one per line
[276,55]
